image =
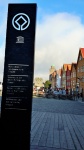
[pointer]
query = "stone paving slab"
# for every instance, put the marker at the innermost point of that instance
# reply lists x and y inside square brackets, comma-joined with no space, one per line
[44,148]
[57,131]
[57,124]
[58,106]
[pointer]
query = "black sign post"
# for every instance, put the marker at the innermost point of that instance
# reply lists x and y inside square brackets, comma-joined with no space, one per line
[16,103]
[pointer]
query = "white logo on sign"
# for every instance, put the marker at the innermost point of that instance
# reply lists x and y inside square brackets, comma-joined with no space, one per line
[21,21]
[20,39]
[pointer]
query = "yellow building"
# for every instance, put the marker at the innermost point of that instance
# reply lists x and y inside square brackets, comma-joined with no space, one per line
[38,82]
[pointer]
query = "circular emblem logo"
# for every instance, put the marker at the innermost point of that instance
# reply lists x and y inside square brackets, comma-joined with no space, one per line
[21,21]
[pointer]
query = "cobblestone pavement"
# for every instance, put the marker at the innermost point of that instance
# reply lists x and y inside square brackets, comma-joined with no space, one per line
[58,106]
[57,124]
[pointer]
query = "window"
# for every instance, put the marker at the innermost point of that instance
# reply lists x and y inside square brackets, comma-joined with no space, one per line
[74,74]
[83,69]
[83,79]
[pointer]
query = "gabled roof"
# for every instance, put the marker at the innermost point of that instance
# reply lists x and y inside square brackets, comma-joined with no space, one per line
[69,66]
[81,51]
[74,64]
[65,67]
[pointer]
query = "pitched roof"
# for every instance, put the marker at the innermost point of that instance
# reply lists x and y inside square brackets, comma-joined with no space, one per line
[74,64]
[65,66]
[82,52]
[69,66]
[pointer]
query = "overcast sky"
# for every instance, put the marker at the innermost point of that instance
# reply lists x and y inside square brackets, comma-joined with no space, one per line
[59,33]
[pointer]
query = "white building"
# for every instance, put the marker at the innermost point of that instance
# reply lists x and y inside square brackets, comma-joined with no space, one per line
[58,79]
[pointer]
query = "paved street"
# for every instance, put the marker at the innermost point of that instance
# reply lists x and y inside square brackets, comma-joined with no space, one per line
[57,125]
[58,106]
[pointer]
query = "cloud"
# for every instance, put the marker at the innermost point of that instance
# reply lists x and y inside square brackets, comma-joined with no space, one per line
[58,39]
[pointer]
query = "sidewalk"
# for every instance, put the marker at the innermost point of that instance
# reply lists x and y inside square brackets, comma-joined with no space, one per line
[55,131]
[57,125]
[80,100]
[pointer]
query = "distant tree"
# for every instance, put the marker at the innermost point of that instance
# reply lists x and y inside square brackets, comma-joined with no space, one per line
[47,84]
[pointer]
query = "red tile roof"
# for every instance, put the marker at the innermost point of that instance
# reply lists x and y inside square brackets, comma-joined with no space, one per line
[69,66]
[65,66]
[82,52]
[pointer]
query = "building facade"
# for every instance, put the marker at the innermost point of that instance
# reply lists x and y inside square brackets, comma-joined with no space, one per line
[68,77]
[38,82]
[73,76]
[80,70]
[58,78]
[52,76]
[64,69]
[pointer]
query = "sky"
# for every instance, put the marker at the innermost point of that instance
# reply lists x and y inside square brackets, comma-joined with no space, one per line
[59,33]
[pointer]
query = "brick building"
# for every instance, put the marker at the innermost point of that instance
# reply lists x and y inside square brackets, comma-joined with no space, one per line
[52,76]
[63,76]
[80,70]
[73,76]
[68,77]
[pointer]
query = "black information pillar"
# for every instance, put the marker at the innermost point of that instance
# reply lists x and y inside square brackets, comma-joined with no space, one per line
[16,103]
